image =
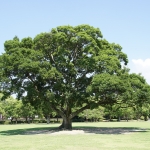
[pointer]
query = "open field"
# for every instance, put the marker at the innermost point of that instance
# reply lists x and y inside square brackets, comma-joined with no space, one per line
[85,136]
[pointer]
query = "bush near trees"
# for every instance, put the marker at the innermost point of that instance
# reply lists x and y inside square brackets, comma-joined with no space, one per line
[70,69]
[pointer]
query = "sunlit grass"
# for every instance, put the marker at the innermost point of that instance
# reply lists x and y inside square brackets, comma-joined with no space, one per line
[14,137]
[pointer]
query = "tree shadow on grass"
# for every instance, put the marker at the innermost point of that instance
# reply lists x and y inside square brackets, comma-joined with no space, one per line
[76,130]
[28,131]
[112,130]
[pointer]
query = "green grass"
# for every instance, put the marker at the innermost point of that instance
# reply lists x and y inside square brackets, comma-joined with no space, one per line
[110,137]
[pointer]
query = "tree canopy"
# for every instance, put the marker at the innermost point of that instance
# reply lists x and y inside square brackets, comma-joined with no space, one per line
[69,69]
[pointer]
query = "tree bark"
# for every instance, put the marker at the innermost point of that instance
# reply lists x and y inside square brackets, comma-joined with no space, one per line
[66,124]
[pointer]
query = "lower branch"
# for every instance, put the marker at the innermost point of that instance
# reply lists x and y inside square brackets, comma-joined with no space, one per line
[79,111]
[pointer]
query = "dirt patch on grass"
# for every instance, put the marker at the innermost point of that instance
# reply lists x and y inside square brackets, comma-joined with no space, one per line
[87,131]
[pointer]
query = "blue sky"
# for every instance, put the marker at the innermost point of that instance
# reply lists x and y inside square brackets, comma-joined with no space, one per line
[126,22]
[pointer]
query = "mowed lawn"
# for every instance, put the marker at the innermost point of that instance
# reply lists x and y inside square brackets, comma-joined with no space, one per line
[98,136]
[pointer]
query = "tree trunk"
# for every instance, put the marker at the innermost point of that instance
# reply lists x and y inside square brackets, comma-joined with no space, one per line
[145,118]
[109,117]
[66,124]
[12,120]
[48,119]
[119,119]
[32,118]
[29,120]
[67,116]
[57,119]
[16,121]
[26,118]
[86,119]
[127,118]
[1,117]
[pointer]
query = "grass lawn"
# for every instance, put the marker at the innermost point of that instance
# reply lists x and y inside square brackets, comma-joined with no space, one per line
[98,136]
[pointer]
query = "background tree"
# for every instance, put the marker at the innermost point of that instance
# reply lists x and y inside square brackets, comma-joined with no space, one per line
[28,112]
[139,95]
[2,110]
[93,115]
[137,92]
[13,109]
[146,111]
[70,67]
[142,111]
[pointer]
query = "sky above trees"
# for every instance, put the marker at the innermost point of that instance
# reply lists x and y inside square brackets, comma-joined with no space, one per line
[124,22]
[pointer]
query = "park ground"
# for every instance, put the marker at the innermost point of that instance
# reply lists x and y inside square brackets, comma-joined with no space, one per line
[133,135]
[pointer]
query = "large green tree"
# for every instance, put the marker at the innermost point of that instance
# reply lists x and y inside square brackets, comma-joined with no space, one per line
[69,67]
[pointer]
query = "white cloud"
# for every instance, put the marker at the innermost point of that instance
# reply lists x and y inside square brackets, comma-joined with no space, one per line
[143,67]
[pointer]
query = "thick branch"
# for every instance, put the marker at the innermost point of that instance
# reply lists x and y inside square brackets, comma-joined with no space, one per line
[79,111]
[88,107]
[57,110]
